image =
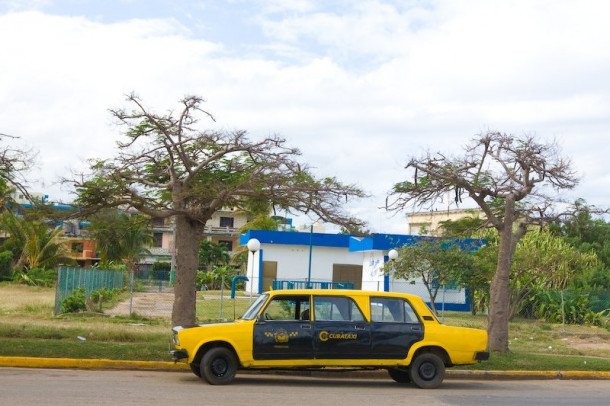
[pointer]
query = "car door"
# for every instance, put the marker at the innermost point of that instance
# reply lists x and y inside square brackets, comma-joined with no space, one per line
[340,328]
[283,329]
[394,327]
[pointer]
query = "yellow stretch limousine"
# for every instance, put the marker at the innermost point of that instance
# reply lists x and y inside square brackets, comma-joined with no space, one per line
[307,329]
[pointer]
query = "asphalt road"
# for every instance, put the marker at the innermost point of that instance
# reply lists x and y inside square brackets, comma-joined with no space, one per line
[25,386]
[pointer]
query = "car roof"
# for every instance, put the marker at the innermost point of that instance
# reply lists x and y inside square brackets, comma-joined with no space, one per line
[339,292]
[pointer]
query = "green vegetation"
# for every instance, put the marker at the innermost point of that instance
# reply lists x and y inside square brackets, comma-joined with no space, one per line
[28,328]
[121,237]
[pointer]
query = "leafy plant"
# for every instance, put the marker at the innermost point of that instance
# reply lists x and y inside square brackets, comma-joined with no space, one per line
[547,305]
[99,296]
[6,259]
[36,276]
[74,302]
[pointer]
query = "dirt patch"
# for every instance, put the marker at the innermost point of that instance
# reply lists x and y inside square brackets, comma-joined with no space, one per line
[146,304]
[594,345]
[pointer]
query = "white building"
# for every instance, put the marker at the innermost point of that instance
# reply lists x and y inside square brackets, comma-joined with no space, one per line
[300,260]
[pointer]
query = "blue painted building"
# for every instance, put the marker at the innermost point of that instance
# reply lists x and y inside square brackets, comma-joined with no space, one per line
[323,258]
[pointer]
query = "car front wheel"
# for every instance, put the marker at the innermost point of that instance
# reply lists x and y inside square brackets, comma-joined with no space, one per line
[218,366]
[427,370]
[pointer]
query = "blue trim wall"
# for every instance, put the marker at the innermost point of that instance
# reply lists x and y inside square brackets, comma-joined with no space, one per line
[454,307]
[260,271]
[386,277]
[296,238]
[382,242]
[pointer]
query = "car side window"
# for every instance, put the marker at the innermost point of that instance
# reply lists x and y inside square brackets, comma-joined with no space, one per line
[334,308]
[287,308]
[392,310]
[410,315]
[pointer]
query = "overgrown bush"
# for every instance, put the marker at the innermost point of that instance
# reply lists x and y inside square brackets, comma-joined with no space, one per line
[547,305]
[213,280]
[6,259]
[36,277]
[98,297]
[75,302]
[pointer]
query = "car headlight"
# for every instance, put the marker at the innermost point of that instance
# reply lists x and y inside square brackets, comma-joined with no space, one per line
[175,331]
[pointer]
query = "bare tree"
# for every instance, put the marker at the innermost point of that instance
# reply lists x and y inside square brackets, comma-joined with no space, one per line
[170,168]
[511,179]
[13,163]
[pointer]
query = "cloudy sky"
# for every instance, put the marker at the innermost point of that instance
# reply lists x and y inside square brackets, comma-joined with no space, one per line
[358,86]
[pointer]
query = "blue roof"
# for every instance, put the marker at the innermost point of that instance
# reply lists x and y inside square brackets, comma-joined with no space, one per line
[382,242]
[296,238]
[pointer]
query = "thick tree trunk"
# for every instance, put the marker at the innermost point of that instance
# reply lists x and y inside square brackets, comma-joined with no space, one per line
[499,315]
[187,235]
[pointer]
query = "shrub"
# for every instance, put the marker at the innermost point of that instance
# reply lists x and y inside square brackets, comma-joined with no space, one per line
[36,277]
[547,305]
[6,259]
[75,302]
[99,296]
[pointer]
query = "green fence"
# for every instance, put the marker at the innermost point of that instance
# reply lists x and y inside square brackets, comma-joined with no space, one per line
[69,279]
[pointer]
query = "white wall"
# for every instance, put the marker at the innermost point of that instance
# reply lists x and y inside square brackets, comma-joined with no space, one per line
[293,262]
[372,274]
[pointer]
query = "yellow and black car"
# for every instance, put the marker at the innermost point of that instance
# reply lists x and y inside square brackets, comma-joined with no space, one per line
[301,329]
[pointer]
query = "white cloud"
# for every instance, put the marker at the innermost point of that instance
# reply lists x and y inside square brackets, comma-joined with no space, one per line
[362,90]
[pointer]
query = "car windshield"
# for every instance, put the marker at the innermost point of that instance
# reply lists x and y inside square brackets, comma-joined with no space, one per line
[254,308]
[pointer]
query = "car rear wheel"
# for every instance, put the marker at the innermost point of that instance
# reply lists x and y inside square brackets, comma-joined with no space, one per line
[399,375]
[218,366]
[427,370]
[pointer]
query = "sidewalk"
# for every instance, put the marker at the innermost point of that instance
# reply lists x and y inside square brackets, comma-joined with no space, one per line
[32,362]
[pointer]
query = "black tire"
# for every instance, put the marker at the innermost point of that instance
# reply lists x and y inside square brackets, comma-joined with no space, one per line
[218,366]
[196,368]
[427,370]
[399,375]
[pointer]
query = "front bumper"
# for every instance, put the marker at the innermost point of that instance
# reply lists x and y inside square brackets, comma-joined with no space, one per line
[179,354]
[481,355]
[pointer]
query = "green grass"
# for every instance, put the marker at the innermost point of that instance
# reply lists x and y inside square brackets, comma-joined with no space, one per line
[156,350]
[209,308]
[538,362]
[28,328]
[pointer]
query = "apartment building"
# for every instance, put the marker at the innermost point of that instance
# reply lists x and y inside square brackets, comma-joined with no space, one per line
[429,222]
[222,228]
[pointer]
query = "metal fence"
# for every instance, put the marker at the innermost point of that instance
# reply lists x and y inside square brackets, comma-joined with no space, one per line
[89,279]
[152,295]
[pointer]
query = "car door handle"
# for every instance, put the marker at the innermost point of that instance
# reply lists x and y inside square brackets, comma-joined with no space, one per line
[360,327]
[306,326]
[416,328]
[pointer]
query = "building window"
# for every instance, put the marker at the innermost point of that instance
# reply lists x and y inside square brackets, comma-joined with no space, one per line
[158,222]
[228,245]
[77,247]
[226,222]
[158,239]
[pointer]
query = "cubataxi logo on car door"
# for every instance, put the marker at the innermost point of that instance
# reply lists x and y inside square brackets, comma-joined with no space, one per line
[325,336]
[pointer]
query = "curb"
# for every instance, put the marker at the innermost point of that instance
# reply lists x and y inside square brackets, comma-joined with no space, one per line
[33,362]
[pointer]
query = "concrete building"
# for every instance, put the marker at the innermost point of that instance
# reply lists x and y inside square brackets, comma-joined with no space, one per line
[429,222]
[222,228]
[291,259]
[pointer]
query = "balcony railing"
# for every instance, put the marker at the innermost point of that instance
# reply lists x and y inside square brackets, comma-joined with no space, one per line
[280,285]
[220,230]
